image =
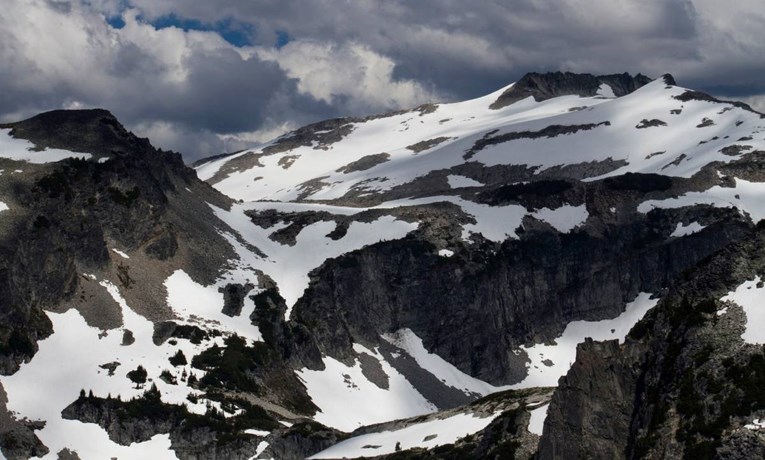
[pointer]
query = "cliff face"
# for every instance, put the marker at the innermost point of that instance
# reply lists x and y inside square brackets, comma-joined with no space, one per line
[684,384]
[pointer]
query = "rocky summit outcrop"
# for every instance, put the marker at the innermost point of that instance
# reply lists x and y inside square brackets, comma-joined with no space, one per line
[543,86]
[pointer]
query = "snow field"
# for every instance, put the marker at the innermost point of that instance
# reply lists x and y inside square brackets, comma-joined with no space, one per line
[537,420]
[750,295]
[426,435]
[338,387]
[408,341]
[23,150]
[651,149]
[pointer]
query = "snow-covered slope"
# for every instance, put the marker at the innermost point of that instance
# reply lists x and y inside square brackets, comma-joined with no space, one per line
[363,270]
[656,129]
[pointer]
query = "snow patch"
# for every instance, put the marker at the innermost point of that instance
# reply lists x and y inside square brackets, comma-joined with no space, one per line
[690,229]
[198,304]
[289,265]
[338,387]
[3,206]
[550,362]
[445,252]
[23,150]
[120,253]
[605,90]
[750,295]
[462,181]
[537,420]
[408,341]
[426,435]
[565,218]
[745,196]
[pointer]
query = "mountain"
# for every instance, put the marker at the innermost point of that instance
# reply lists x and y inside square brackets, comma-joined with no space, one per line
[570,267]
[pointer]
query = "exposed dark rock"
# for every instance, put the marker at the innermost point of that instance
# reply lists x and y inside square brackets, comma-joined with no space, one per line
[192,436]
[735,150]
[319,135]
[365,162]
[302,440]
[427,144]
[472,308]
[691,95]
[549,85]
[650,123]
[550,131]
[164,246]
[683,384]
[233,298]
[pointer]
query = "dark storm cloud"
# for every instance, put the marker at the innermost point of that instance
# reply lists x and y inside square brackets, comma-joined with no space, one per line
[191,89]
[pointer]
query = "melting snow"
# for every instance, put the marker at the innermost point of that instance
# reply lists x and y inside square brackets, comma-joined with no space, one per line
[87,348]
[195,303]
[425,435]
[537,420]
[745,196]
[431,362]
[690,229]
[565,218]
[338,387]
[757,424]
[462,181]
[23,150]
[120,253]
[752,299]
[289,265]
[563,353]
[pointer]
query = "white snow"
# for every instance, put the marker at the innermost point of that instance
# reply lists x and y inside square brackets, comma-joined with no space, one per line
[85,349]
[745,196]
[120,253]
[565,218]
[446,431]
[441,369]
[338,387]
[260,433]
[563,353]
[23,150]
[605,90]
[466,122]
[752,299]
[195,303]
[289,265]
[462,181]
[757,424]
[690,229]
[445,252]
[3,206]
[537,420]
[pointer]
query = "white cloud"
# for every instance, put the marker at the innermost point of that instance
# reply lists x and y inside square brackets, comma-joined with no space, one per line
[350,73]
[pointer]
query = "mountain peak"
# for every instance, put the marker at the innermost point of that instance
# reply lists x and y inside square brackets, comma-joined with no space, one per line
[95,131]
[543,86]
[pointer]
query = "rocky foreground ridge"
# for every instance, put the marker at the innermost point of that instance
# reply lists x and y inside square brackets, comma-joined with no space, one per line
[409,285]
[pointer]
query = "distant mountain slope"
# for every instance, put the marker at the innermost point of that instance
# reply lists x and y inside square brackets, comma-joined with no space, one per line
[413,285]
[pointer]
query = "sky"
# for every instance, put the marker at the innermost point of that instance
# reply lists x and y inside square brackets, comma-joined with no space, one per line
[204,77]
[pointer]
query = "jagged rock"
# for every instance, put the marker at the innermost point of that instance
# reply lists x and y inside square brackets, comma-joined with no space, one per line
[546,86]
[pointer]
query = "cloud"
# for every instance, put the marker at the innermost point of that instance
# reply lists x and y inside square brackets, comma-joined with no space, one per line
[350,75]
[170,73]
